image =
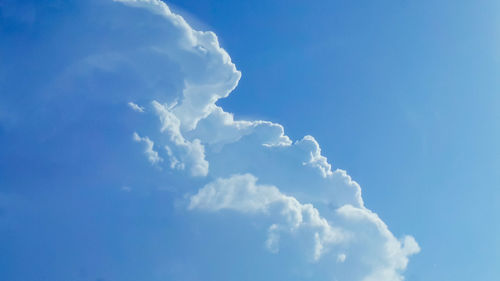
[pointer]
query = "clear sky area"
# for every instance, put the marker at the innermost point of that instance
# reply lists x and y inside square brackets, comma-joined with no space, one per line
[297,140]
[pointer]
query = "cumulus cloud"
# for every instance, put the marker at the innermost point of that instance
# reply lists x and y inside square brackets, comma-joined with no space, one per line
[386,254]
[351,228]
[308,216]
[242,193]
[305,199]
[192,153]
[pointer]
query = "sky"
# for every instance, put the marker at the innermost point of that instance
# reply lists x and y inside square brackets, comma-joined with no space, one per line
[333,140]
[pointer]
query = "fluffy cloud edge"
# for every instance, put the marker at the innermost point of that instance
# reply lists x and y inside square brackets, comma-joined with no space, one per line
[180,121]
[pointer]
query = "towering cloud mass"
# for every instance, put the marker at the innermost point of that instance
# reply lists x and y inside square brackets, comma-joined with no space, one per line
[128,98]
[257,170]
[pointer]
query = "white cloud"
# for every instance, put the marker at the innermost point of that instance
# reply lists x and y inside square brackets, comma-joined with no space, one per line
[242,193]
[304,197]
[388,256]
[341,257]
[152,155]
[135,107]
[191,153]
[316,159]
[307,213]
[361,233]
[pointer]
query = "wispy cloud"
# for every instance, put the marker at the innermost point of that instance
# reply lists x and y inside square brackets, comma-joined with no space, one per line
[152,155]
[135,107]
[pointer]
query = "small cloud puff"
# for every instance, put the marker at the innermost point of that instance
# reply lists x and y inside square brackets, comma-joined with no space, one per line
[136,107]
[152,155]
[341,258]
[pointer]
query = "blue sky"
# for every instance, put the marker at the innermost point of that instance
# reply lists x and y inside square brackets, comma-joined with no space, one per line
[402,95]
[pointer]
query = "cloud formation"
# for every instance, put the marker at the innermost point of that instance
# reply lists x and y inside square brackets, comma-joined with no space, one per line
[242,193]
[137,87]
[136,107]
[149,151]
[297,189]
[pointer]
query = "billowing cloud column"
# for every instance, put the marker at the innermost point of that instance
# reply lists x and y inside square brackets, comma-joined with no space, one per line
[251,167]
